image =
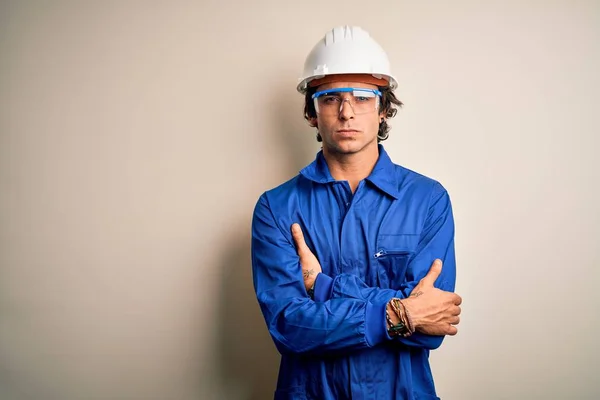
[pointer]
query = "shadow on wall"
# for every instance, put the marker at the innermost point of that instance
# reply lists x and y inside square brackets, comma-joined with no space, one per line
[247,358]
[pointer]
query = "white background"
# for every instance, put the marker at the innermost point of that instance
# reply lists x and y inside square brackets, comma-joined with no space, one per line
[136,137]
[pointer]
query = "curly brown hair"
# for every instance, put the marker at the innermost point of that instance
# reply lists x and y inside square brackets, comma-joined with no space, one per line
[389,104]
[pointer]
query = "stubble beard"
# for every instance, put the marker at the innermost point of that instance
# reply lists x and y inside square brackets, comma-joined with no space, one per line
[336,148]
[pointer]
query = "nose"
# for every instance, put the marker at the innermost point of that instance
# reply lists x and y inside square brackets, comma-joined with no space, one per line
[346,111]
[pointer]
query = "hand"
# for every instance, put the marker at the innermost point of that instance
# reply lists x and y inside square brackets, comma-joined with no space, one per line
[433,311]
[309,263]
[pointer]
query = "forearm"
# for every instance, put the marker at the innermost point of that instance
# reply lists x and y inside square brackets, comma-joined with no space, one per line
[299,325]
[351,287]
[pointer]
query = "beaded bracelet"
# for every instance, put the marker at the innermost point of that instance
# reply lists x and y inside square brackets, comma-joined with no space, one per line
[409,320]
[400,309]
[390,324]
[405,327]
[399,329]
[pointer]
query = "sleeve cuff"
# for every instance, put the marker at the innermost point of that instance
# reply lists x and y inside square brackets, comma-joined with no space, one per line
[323,287]
[375,324]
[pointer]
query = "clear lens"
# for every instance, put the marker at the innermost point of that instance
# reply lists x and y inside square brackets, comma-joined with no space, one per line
[362,101]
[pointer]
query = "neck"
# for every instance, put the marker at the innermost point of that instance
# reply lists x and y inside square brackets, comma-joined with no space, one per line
[351,167]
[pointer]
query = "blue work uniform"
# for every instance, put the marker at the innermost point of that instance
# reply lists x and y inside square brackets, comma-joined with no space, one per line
[372,245]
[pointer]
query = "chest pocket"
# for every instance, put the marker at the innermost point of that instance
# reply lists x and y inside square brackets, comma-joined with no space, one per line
[392,256]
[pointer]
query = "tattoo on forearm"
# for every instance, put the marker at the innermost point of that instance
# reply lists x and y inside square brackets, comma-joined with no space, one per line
[306,273]
[416,294]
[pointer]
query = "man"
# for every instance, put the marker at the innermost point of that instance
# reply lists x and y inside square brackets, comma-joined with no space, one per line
[345,255]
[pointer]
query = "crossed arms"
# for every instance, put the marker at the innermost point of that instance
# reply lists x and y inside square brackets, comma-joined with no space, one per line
[348,314]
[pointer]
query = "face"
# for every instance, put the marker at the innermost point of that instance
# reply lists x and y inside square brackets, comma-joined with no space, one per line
[347,132]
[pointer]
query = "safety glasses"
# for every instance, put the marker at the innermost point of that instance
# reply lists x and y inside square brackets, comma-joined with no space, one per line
[362,100]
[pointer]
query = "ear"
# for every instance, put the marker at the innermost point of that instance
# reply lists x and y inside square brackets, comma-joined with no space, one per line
[313,122]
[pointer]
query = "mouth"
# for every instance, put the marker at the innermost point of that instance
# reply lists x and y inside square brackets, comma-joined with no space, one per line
[347,131]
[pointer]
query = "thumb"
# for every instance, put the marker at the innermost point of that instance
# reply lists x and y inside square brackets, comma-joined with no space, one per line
[299,238]
[434,271]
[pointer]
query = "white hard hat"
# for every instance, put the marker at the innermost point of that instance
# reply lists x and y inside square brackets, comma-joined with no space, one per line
[346,50]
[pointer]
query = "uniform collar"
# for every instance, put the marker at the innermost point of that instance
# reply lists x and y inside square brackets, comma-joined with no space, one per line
[383,175]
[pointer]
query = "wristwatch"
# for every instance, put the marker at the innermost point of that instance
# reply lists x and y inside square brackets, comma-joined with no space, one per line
[399,329]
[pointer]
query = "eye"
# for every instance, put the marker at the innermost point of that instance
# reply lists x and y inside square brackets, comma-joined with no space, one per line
[330,99]
[362,99]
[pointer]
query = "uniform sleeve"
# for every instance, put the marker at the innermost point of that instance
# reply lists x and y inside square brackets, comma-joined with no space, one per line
[436,241]
[296,323]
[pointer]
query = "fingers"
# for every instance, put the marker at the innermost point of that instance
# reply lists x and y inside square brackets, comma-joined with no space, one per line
[434,271]
[458,300]
[298,236]
[452,330]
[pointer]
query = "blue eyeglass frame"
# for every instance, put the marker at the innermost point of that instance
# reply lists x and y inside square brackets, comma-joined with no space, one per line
[345,90]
